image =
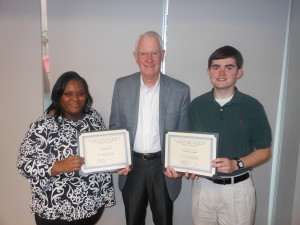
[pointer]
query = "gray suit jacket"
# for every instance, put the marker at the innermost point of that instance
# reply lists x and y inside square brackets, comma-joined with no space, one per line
[174,99]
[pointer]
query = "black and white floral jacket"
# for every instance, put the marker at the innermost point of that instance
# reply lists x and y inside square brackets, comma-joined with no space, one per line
[68,196]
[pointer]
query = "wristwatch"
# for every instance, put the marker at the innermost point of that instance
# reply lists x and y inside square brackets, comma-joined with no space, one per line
[240,163]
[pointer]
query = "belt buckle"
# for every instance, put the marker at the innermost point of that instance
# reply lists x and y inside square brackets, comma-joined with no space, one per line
[221,180]
[224,181]
[144,157]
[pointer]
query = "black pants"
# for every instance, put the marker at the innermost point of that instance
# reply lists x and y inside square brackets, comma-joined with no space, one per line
[86,221]
[146,183]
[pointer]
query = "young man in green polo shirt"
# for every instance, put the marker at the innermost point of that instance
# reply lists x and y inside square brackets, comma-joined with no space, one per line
[244,142]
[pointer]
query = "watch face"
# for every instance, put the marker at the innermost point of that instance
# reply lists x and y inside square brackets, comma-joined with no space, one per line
[241,164]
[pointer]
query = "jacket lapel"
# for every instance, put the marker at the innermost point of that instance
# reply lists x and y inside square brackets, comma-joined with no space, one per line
[164,94]
[135,96]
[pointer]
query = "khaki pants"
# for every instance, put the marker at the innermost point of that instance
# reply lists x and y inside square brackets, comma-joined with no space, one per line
[230,204]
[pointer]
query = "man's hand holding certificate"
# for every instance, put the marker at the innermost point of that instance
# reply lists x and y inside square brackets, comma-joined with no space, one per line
[191,152]
[107,150]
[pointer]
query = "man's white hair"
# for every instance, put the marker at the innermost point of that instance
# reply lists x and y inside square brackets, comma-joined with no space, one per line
[151,34]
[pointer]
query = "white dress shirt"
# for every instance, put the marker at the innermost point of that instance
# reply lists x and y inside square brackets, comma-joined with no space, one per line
[147,139]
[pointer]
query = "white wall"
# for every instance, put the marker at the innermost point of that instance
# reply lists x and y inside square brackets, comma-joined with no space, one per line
[96,39]
[21,102]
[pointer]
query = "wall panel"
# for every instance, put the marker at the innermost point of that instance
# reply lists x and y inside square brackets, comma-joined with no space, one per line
[22,100]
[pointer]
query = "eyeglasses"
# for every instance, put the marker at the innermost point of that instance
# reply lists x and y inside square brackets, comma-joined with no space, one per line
[154,54]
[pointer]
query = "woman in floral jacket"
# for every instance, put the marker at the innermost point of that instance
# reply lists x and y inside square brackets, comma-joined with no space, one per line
[48,158]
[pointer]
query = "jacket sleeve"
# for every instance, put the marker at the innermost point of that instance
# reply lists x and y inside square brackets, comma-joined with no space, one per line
[35,159]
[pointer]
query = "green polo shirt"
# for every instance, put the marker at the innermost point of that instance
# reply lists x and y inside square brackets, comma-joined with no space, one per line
[242,124]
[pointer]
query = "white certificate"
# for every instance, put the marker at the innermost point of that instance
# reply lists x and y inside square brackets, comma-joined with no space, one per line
[191,152]
[106,150]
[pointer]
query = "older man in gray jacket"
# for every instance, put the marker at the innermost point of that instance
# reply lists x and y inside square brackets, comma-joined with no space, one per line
[149,103]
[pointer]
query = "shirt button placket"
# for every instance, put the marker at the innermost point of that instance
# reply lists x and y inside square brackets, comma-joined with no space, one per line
[221,114]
